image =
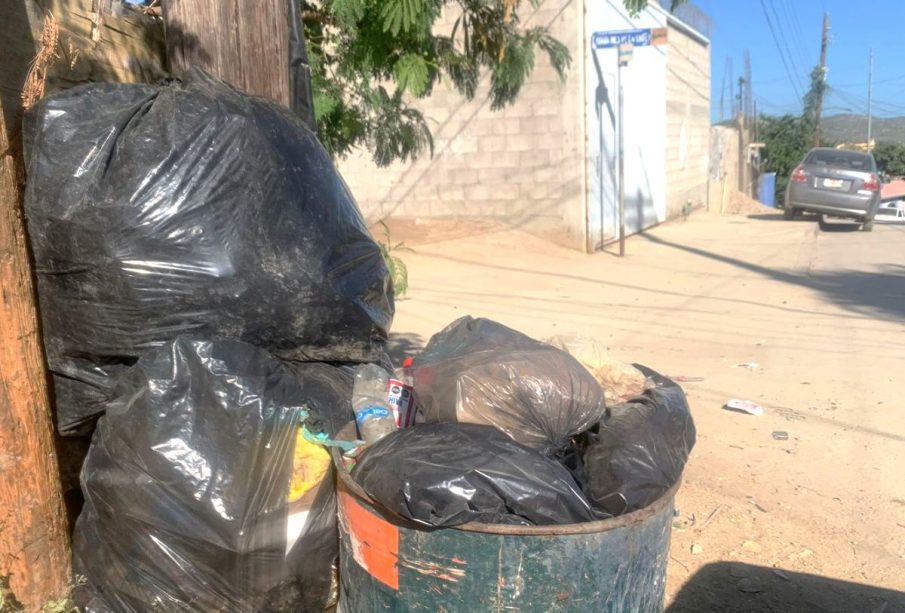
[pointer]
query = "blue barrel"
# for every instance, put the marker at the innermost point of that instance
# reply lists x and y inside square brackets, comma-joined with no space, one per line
[388,564]
[766,189]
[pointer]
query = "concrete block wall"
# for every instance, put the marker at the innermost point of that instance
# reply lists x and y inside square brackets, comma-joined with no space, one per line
[522,166]
[723,165]
[687,119]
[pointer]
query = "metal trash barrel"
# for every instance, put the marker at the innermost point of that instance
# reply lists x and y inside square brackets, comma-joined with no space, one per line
[388,564]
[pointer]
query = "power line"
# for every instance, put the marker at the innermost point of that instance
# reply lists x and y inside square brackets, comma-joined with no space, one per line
[857,100]
[779,49]
[876,81]
[797,32]
[785,41]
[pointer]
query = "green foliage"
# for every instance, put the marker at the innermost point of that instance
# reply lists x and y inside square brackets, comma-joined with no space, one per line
[412,74]
[10,604]
[8,601]
[787,140]
[890,158]
[815,92]
[399,272]
[370,59]
[789,137]
[636,6]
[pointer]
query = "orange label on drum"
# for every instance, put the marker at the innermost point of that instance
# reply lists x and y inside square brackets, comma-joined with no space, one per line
[374,542]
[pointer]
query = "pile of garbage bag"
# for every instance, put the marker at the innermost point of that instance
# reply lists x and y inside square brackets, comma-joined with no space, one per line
[201,490]
[206,284]
[190,209]
[215,310]
[517,433]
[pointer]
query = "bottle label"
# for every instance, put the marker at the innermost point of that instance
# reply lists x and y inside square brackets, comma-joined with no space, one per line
[372,413]
[401,398]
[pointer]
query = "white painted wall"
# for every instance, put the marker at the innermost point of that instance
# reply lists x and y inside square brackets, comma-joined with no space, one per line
[644,99]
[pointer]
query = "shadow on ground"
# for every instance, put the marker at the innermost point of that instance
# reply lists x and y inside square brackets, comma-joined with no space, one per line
[778,216]
[868,293]
[833,225]
[401,346]
[744,588]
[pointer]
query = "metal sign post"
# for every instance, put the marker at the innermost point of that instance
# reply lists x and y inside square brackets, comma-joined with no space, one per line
[625,41]
[625,54]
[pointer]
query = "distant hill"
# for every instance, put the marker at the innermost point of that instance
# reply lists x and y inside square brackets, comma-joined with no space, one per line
[853,128]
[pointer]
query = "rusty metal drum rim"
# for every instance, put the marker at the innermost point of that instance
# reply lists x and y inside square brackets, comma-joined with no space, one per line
[591,527]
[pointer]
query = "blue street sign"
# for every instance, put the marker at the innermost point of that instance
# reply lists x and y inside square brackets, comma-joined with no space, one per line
[608,40]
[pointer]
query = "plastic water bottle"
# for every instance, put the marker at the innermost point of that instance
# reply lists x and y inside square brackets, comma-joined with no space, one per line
[373,413]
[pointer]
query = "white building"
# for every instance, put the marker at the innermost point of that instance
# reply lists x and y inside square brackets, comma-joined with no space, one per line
[547,164]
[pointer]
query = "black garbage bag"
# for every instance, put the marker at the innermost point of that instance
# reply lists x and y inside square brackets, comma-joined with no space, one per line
[193,209]
[201,492]
[450,474]
[480,371]
[640,448]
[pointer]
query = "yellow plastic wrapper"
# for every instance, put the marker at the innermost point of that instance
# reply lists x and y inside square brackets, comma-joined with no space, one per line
[310,463]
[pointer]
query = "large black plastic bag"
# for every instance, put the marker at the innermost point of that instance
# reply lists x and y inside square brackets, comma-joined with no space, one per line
[640,449]
[450,474]
[480,371]
[187,484]
[190,209]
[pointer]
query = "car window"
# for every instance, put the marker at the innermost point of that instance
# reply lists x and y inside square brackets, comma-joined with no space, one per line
[841,159]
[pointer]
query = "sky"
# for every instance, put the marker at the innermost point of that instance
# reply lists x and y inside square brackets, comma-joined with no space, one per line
[855,27]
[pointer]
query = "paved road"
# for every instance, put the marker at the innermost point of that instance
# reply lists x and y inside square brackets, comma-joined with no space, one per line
[821,313]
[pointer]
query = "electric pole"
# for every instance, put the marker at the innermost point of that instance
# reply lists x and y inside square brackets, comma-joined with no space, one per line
[870,87]
[824,41]
[732,91]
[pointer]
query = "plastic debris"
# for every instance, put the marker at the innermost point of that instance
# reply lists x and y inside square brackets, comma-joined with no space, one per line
[744,406]
[373,413]
[748,365]
[620,380]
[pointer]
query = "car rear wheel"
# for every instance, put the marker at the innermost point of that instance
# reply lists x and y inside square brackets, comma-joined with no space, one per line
[789,212]
[868,226]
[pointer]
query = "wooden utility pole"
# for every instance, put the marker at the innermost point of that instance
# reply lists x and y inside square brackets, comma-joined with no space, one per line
[824,41]
[93,45]
[34,540]
[257,46]
[870,91]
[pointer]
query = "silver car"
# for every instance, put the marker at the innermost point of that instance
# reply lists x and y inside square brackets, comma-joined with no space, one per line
[835,182]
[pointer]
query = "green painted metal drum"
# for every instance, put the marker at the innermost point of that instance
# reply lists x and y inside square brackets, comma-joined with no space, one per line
[387,564]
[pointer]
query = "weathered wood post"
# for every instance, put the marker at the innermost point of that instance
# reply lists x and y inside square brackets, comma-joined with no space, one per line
[34,540]
[257,46]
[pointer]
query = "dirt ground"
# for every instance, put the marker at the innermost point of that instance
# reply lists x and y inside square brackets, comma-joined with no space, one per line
[812,523]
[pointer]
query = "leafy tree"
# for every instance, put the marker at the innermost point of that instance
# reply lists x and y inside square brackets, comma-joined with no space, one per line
[815,92]
[370,59]
[789,137]
[786,141]
[890,158]
[636,6]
